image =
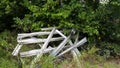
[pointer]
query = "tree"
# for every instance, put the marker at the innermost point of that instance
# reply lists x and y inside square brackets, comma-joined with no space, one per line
[8,10]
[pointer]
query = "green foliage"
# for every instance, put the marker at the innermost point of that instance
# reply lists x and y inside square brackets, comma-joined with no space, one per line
[90,18]
[6,47]
[6,43]
[8,10]
[108,49]
[70,14]
[99,22]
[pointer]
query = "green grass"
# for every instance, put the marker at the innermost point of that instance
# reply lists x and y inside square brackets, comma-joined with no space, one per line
[88,59]
[5,63]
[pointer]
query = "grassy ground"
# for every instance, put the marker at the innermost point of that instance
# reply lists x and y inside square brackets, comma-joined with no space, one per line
[84,63]
[87,60]
[91,63]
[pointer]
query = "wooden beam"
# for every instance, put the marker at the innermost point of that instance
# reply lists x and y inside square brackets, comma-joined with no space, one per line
[33,34]
[39,55]
[37,51]
[70,42]
[75,51]
[16,50]
[60,33]
[35,40]
[60,46]
[74,46]
[76,40]
[34,52]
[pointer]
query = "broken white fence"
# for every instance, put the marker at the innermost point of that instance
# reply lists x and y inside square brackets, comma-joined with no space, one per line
[30,38]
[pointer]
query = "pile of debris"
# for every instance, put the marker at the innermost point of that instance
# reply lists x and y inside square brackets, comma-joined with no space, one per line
[45,48]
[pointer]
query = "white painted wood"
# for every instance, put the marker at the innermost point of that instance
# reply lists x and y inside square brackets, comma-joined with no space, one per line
[75,55]
[37,51]
[60,46]
[23,35]
[76,40]
[39,55]
[35,40]
[48,39]
[61,33]
[75,50]
[34,52]
[33,33]
[16,50]
[75,46]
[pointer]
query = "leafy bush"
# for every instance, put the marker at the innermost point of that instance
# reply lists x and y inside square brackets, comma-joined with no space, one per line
[8,10]
[108,49]
[99,22]
[6,44]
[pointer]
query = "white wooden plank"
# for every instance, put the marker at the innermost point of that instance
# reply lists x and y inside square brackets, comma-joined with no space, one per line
[61,33]
[48,39]
[77,54]
[37,58]
[24,35]
[34,52]
[74,46]
[76,40]
[74,50]
[56,39]
[60,46]
[33,34]
[35,40]
[16,50]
